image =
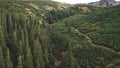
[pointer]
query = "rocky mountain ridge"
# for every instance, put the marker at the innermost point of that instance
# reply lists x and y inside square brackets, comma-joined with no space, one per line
[105,3]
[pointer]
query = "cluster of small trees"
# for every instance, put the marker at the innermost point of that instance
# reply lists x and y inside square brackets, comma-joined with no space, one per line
[57,15]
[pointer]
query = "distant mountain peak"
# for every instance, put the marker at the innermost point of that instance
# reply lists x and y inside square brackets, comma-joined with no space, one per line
[105,3]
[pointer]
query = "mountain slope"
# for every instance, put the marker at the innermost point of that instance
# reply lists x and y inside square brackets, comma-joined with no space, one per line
[88,40]
[46,34]
[24,34]
[105,3]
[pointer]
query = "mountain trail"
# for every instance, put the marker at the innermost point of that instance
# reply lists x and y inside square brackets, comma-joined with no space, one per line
[94,45]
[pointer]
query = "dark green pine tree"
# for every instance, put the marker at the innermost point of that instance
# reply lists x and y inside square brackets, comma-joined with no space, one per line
[28,54]
[45,45]
[28,57]
[20,64]
[20,55]
[8,61]
[2,60]
[2,44]
[38,54]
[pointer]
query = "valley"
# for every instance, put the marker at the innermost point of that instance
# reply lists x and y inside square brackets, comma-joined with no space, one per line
[48,34]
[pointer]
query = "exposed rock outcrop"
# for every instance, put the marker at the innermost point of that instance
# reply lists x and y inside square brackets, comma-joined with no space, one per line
[105,3]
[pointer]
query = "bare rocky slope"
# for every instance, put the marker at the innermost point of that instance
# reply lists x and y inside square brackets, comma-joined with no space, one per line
[105,3]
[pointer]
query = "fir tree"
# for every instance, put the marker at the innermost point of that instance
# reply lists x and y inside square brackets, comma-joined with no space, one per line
[38,55]
[2,60]
[8,61]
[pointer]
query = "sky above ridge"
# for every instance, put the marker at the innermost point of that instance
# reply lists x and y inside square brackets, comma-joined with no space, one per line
[77,1]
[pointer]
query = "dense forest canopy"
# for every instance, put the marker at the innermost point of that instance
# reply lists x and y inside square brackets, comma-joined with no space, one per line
[46,34]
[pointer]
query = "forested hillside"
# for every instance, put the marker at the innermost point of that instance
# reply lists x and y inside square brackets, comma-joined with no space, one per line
[46,34]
